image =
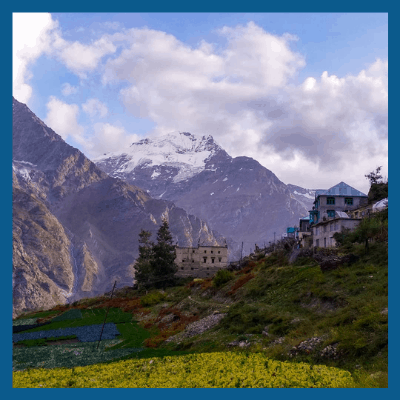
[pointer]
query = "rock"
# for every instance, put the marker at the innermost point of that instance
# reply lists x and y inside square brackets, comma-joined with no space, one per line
[265,330]
[280,340]
[306,346]
[198,327]
[330,351]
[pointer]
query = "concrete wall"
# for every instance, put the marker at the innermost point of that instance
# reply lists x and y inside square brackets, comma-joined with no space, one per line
[202,261]
[339,205]
[323,232]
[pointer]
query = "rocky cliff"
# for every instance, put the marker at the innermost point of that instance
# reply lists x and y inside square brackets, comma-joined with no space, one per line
[75,229]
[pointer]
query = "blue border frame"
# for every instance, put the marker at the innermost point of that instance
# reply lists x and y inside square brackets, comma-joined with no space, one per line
[176,6]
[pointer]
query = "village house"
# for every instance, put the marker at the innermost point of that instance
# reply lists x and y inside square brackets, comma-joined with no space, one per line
[323,231]
[201,261]
[305,233]
[367,210]
[331,211]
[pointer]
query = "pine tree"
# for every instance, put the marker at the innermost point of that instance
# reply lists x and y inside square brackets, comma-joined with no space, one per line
[144,274]
[163,261]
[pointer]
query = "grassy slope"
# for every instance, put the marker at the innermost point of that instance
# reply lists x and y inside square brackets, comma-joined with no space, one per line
[344,307]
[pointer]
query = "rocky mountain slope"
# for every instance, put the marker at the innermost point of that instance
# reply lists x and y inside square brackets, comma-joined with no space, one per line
[75,229]
[238,197]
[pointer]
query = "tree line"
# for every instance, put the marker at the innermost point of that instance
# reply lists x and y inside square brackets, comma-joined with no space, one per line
[155,266]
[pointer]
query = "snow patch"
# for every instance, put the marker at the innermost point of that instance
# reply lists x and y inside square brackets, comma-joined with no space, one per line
[155,174]
[211,193]
[307,195]
[183,151]
[225,179]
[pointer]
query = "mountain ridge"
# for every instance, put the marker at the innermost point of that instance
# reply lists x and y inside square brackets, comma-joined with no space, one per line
[231,194]
[64,194]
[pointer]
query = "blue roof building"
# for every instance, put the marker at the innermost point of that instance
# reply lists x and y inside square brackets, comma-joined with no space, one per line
[341,197]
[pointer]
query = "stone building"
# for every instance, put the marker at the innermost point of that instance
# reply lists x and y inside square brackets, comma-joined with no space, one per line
[305,233]
[340,197]
[323,231]
[331,211]
[201,261]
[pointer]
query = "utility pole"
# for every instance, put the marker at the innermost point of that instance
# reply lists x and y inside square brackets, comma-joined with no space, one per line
[274,241]
[101,333]
[241,253]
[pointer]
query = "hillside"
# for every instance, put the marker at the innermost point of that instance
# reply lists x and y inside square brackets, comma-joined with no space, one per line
[328,308]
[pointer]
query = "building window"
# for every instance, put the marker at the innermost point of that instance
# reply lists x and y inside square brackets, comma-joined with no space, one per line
[193,251]
[348,201]
[219,252]
[332,227]
[220,259]
[331,213]
[212,252]
[191,269]
[208,268]
[324,242]
[317,243]
[330,200]
[205,251]
[181,267]
[205,259]
[324,228]
[212,260]
[192,260]
[317,231]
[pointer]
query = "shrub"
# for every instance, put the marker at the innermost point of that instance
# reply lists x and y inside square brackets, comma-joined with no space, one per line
[152,299]
[221,277]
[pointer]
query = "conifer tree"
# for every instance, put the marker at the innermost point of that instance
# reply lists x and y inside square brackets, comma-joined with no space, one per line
[144,275]
[163,261]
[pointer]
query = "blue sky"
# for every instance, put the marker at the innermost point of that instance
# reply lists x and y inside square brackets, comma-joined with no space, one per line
[254,81]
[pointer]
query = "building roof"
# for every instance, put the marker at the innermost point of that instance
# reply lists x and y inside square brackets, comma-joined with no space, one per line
[341,189]
[381,204]
[341,214]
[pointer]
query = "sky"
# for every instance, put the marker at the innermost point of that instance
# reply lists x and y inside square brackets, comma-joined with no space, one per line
[305,94]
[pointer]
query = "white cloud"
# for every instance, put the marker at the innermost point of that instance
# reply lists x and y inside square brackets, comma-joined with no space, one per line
[67,89]
[81,58]
[244,94]
[95,108]
[245,97]
[31,38]
[63,119]
[110,138]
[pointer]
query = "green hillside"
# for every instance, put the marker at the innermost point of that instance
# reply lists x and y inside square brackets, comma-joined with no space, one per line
[328,308]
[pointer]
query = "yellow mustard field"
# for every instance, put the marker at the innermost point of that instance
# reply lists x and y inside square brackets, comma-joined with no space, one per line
[206,370]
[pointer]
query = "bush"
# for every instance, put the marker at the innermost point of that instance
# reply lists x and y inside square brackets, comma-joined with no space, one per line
[152,299]
[221,277]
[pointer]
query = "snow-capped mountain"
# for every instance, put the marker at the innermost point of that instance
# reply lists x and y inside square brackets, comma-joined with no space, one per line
[305,197]
[238,197]
[167,159]
[75,229]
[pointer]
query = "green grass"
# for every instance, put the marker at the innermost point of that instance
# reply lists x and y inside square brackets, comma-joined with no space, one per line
[44,342]
[89,317]
[345,307]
